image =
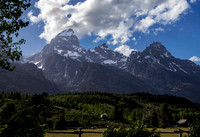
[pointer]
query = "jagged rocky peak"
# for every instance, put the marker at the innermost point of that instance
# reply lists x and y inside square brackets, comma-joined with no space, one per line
[157,56]
[66,36]
[104,55]
[67,44]
[156,48]
[66,33]
[133,54]
[66,40]
[103,47]
[157,44]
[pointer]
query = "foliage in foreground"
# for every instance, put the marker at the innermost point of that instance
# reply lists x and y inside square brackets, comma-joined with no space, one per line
[130,132]
[25,118]
[10,23]
[195,128]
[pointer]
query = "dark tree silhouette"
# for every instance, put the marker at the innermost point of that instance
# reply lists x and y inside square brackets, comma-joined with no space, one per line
[29,119]
[10,23]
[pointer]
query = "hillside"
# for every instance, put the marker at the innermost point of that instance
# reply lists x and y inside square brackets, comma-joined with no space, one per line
[85,109]
[150,110]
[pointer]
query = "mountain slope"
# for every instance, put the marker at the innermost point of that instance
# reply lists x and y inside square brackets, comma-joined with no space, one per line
[64,44]
[157,56]
[64,62]
[26,78]
[167,74]
[72,68]
[73,75]
[105,56]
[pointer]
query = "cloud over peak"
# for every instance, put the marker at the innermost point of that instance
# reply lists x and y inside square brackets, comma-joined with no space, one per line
[118,19]
[125,50]
[195,59]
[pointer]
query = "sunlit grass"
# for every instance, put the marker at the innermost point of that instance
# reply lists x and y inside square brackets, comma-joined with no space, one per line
[101,130]
[171,130]
[60,135]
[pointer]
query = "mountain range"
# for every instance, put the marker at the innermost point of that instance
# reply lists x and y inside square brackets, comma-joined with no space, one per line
[64,66]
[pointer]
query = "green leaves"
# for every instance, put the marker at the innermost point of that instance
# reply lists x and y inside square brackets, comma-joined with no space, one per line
[110,132]
[25,118]
[10,24]
[130,132]
[195,128]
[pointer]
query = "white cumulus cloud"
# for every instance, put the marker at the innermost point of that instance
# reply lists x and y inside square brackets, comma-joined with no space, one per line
[124,49]
[156,30]
[118,19]
[193,1]
[195,59]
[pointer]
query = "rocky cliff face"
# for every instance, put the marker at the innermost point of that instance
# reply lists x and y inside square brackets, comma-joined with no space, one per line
[64,62]
[105,56]
[66,44]
[156,56]
[72,68]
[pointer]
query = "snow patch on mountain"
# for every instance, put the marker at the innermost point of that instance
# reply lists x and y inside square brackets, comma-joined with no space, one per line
[166,54]
[58,51]
[68,33]
[109,62]
[104,48]
[147,57]
[36,62]
[179,67]
[124,59]
[92,50]
[41,67]
[65,39]
[72,54]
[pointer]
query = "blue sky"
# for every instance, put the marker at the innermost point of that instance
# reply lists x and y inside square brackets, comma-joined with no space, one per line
[121,24]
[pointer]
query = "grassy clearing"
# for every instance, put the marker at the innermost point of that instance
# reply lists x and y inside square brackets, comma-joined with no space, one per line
[71,135]
[59,135]
[171,130]
[101,130]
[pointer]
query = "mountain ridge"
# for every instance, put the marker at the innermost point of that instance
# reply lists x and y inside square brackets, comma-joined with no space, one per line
[64,62]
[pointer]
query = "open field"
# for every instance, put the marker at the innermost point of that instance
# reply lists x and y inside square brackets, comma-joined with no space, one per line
[171,130]
[101,130]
